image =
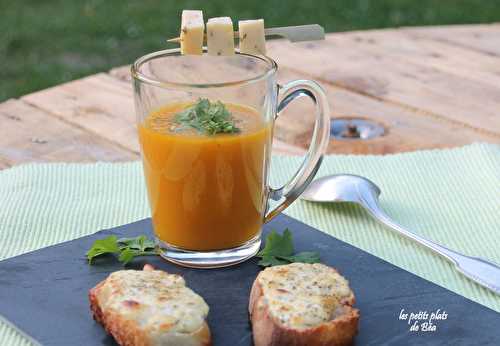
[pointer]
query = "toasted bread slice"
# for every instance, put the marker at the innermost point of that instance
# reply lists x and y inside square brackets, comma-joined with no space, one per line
[302,304]
[150,307]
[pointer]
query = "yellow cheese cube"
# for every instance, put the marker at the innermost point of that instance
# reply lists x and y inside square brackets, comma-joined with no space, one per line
[192,32]
[252,36]
[220,36]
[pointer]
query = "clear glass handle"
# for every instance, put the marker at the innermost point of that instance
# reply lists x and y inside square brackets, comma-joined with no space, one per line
[319,142]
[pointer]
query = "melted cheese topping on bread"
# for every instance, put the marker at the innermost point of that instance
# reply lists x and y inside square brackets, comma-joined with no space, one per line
[301,295]
[160,303]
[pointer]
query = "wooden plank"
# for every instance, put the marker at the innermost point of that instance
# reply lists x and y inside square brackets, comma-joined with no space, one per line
[31,135]
[4,163]
[405,45]
[483,38]
[121,73]
[391,73]
[103,105]
[358,67]
[283,148]
[99,104]
[406,130]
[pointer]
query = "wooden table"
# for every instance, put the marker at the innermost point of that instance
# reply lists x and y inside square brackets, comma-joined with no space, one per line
[432,87]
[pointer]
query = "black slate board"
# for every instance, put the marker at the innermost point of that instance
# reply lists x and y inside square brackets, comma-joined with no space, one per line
[44,294]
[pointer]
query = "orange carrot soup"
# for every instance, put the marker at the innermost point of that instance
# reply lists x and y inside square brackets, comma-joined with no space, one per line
[207,192]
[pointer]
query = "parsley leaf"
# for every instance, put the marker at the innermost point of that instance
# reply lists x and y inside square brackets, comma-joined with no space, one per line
[279,250]
[140,243]
[303,257]
[207,117]
[103,246]
[269,261]
[127,255]
[278,245]
[125,248]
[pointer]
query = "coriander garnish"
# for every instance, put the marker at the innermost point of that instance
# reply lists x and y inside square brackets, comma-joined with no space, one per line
[207,117]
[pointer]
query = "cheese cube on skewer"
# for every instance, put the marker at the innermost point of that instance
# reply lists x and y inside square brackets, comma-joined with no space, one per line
[220,36]
[252,36]
[192,32]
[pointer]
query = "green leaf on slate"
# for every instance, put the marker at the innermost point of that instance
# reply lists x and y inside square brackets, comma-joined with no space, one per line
[269,261]
[303,257]
[126,248]
[140,243]
[103,246]
[127,255]
[279,249]
[278,245]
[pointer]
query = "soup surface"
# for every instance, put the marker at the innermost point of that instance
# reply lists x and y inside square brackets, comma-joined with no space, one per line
[206,192]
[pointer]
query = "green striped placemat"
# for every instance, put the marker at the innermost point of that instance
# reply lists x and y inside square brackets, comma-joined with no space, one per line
[451,196]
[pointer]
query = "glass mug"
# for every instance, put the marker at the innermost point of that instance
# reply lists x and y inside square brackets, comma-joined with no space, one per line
[209,194]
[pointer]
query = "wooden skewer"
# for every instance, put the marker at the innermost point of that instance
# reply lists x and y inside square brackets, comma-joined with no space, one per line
[310,32]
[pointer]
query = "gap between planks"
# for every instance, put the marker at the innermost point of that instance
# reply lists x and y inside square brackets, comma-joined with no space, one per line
[406,131]
[459,67]
[415,46]
[407,107]
[124,91]
[105,109]
[78,126]
[484,38]
[343,74]
[34,101]
[34,135]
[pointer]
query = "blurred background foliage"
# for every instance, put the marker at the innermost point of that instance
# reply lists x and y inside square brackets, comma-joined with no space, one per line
[47,42]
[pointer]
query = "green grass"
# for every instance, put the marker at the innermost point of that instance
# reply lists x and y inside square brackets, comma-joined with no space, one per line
[47,42]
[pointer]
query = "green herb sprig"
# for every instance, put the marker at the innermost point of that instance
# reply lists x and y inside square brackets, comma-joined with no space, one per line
[207,117]
[279,250]
[125,248]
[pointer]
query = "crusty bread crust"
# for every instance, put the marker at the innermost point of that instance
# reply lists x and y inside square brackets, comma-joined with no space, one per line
[268,331]
[127,332]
